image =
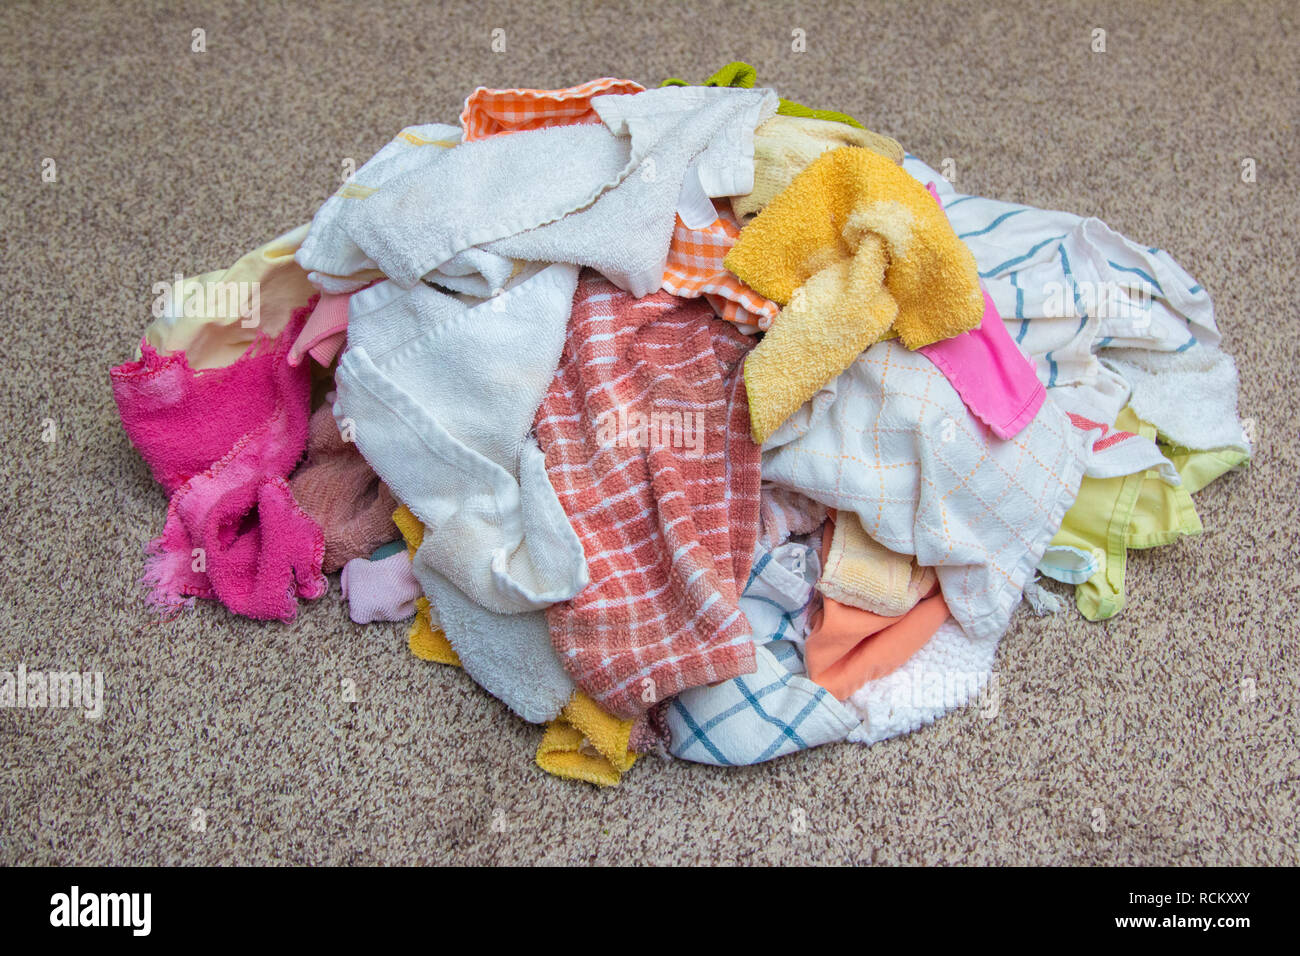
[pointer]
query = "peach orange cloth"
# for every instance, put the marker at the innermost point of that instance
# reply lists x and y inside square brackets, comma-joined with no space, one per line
[848,646]
[490,112]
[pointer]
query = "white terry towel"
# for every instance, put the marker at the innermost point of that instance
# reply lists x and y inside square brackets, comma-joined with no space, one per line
[327,254]
[482,191]
[952,670]
[625,233]
[509,655]
[1171,390]
[603,196]
[440,398]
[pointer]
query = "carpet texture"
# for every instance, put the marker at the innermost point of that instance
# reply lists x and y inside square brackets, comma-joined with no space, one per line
[1166,735]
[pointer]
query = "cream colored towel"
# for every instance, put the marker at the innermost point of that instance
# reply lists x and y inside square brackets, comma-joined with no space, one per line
[865,574]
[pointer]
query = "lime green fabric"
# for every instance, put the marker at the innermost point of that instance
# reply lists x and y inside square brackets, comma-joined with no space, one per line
[745,76]
[1199,468]
[1112,515]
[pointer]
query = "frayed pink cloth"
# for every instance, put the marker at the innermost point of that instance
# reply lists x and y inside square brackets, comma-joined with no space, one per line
[221,442]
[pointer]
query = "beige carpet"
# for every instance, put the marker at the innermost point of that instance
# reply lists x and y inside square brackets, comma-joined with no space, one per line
[1134,741]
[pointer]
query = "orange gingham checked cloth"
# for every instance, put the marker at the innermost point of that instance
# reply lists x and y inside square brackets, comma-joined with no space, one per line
[490,112]
[695,268]
[668,521]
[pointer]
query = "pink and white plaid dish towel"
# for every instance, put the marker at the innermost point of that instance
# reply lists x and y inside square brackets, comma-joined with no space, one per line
[646,435]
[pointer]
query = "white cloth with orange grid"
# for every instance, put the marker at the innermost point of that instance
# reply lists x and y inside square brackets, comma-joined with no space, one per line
[890,440]
[695,269]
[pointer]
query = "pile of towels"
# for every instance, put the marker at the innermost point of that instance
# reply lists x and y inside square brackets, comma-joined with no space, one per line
[686,420]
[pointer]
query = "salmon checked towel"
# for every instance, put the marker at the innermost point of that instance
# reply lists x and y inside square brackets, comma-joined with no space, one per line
[646,434]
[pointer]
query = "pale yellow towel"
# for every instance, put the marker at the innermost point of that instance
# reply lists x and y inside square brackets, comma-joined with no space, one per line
[861,572]
[205,316]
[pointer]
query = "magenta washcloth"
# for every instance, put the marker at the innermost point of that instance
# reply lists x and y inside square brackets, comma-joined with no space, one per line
[221,442]
[995,380]
[383,590]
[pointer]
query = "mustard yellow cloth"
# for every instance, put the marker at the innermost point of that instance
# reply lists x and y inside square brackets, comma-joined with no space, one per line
[426,642]
[1112,515]
[203,318]
[585,743]
[854,248]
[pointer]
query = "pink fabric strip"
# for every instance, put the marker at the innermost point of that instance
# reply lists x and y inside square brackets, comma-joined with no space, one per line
[325,333]
[996,381]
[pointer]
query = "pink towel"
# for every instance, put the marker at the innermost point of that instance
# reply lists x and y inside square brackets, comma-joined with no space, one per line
[383,590]
[326,331]
[221,442]
[996,381]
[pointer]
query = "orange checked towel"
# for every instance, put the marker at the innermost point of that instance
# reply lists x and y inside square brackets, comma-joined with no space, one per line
[491,112]
[695,269]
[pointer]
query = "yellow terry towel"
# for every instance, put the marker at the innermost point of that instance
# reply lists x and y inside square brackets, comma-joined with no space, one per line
[426,642]
[853,248]
[585,743]
[784,146]
[865,574]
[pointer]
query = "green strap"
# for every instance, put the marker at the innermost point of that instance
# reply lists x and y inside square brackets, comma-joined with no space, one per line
[743,76]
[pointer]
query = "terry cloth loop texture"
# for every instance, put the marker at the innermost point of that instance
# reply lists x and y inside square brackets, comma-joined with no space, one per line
[602,196]
[854,248]
[421,385]
[342,493]
[234,531]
